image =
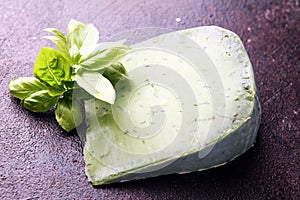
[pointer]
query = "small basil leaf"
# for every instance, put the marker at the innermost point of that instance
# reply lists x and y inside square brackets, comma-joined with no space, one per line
[57,33]
[51,67]
[82,39]
[39,101]
[73,24]
[115,72]
[61,46]
[97,85]
[68,114]
[60,40]
[104,55]
[25,86]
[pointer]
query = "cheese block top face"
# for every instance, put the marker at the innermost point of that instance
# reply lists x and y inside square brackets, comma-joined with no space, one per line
[190,97]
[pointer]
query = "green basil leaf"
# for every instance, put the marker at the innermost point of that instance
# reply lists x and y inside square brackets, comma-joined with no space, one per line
[68,114]
[104,55]
[115,72]
[51,67]
[57,33]
[25,86]
[82,38]
[97,85]
[40,101]
[73,24]
[60,40]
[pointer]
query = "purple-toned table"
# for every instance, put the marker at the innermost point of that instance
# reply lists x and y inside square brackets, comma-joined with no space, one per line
[40,161]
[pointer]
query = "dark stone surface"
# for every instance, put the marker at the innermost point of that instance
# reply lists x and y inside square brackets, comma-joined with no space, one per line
[39,160]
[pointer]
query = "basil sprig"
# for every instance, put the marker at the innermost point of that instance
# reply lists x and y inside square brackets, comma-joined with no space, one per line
[80,59]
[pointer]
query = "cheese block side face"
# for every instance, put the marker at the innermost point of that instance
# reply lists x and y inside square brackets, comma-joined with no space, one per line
[190,104]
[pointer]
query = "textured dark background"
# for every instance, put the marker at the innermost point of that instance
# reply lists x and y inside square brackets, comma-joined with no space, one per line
[40,161]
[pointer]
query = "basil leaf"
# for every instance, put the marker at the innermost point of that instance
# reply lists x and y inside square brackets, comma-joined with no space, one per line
[25,86]
[82,38]
[51,67]
[68,114]
[97,85]
[73,24]
[39,101]
[104,55]
[57,33]
[115,72]
[60,40]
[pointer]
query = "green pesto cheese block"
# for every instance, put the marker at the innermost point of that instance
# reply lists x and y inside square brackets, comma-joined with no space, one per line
[190,104]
